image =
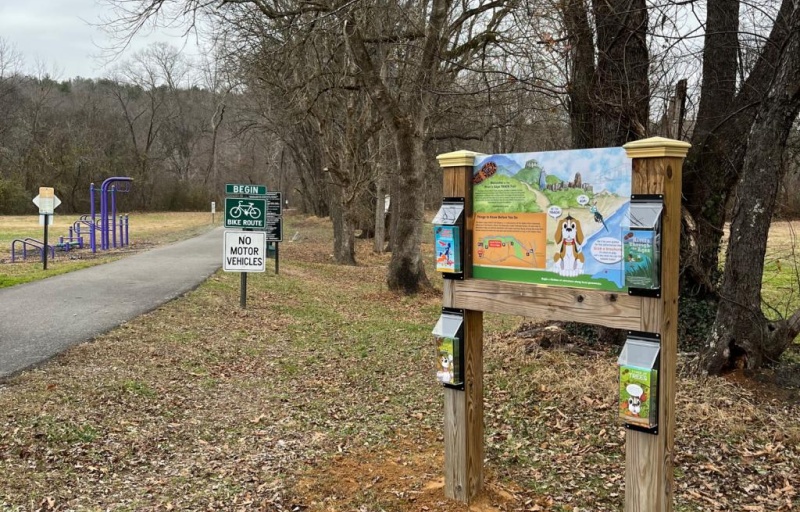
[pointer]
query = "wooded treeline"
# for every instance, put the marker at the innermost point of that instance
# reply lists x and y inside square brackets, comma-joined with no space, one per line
[346,101]
[166,122]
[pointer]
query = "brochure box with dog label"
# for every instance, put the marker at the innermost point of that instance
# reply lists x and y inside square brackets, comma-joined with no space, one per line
[642,244]
[449,342]
[638,381]
[447,232]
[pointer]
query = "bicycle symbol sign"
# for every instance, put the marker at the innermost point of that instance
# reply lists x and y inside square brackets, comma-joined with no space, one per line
[245,212]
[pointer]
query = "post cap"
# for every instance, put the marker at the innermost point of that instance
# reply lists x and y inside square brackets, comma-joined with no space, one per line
[656,147]
[459,158]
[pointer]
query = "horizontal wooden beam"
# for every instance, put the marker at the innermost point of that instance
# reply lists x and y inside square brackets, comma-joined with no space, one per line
[608,309]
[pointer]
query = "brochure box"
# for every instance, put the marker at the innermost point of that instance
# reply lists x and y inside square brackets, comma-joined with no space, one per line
[448,238]
[642,246]
[449,342]
[638,381]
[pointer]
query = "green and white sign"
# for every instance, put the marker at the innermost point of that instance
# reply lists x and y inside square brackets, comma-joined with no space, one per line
[246,190]
[245,212]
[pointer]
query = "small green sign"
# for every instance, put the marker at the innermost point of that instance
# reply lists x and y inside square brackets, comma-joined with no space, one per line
[246,190]
[245,213]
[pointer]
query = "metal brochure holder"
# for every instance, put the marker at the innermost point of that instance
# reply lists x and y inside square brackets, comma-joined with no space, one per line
[639,364]
[448,230]
[642,245]
[449,341]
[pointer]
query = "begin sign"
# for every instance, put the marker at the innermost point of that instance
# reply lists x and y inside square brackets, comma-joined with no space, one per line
[245,251]
[247,190]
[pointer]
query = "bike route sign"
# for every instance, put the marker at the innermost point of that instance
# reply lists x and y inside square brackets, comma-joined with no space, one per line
[245,212]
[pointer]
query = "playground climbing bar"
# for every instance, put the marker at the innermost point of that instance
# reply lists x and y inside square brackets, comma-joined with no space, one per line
[107,224]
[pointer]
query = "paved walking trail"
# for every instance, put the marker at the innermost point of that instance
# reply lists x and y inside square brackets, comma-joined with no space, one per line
[41,319]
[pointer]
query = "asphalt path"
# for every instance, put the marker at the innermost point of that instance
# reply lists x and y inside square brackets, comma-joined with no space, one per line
[41,319]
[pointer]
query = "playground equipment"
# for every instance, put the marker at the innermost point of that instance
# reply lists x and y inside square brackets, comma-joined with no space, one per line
[30,242]
[107,225]
[108,214]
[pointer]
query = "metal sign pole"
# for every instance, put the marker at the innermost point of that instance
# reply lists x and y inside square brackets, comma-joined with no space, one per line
[243,290]
[277,257]
[44,249]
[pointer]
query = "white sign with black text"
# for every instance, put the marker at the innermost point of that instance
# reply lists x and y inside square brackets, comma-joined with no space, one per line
[245,251]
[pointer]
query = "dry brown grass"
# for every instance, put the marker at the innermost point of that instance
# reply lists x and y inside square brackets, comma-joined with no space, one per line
[321,397]
[146,230]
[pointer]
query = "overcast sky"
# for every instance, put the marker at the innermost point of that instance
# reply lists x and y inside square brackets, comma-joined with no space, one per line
[60,34]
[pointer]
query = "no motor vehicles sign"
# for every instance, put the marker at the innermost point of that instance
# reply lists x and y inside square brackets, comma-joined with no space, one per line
[245,251]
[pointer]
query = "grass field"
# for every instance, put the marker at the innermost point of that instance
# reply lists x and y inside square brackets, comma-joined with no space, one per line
[321,396]
[781,288]
[145,230]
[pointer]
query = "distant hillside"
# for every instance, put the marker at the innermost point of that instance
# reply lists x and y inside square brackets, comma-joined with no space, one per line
[505,165]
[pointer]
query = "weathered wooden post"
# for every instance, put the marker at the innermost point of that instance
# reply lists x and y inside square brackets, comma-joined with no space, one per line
[463,410]
[657,165]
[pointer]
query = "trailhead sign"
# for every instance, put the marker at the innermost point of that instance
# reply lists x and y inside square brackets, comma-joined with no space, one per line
[245,212]
[555,218]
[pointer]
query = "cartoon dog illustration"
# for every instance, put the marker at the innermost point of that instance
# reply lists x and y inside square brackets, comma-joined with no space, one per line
[445,374]
[635,405]
[636,394]
[569,235]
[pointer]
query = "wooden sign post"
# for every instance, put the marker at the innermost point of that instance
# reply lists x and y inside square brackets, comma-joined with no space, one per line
[656,164]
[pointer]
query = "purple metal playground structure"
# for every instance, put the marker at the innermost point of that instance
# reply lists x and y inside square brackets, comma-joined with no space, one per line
[107,224]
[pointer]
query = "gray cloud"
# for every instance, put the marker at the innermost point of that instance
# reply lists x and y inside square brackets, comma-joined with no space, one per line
[61,35]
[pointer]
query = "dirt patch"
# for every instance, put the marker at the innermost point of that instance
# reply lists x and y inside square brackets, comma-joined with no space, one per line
[406,475]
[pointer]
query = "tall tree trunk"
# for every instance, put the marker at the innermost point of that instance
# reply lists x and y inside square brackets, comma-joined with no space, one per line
[622,86]
[608,102]
[708,176]
[720,139]
[380,211]
[344,239]
[741,330]
[406,268]
[582,74]
[406,123]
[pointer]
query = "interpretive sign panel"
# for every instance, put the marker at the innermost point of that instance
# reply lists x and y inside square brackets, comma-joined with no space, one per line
[274,229]
[245,251]
[274,205]
[554,218]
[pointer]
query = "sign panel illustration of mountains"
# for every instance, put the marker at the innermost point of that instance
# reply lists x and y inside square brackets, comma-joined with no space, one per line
[552,217]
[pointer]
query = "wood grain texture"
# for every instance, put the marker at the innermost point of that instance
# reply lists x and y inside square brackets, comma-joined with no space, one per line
[589,306]
[649,458]
[448,293]
[455,454]
[458,183]
[473,390]
[463,410]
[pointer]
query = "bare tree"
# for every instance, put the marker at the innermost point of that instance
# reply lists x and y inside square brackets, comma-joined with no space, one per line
[741,330]
[429,43]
